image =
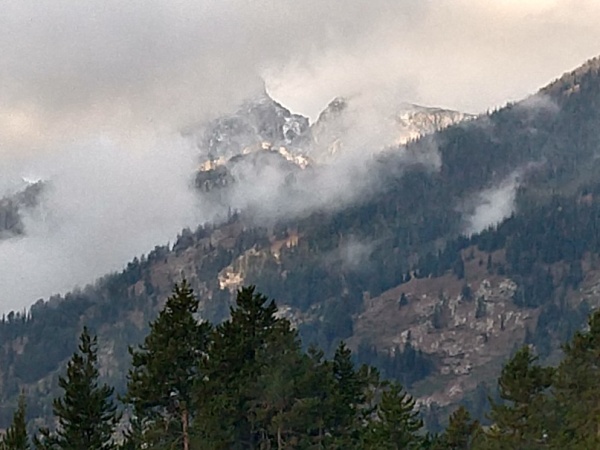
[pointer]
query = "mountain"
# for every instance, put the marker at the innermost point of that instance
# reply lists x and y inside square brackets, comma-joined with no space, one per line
[369,124]
[401,271]
[263,132]
[13,206]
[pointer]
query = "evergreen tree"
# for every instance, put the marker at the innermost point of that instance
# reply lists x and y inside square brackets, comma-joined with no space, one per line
[351,398]
[576,388]
[164,369]
[250,387]
[461,431]
[86,414]
[523,418]
[16,435]
[397,425]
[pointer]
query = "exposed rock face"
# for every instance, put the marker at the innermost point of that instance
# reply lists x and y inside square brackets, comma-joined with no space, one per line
[359,125]
[415,121]
[264,127]
[259,124]
[468,330]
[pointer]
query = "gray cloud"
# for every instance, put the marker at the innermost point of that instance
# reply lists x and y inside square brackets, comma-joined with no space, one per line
[103,205]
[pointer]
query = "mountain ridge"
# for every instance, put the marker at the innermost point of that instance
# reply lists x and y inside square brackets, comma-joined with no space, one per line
[326,268]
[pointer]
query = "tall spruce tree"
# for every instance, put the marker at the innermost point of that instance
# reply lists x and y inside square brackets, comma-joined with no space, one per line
[347,396]
[461,431]
[522,419]
[576,389]
[16,435]
[164,369]
[397,425]
[256,388]
[86,414]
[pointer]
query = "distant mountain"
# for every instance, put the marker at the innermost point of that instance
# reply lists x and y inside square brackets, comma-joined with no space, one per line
[366,124]
[228,145]
[14,205]
[391,272]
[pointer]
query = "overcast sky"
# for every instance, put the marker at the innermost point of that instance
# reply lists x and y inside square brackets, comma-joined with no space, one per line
[92,93]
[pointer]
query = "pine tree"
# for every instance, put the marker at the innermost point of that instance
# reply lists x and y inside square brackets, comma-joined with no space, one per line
[397,425]
[461,431]
[348,393]
[522,419]
[249,388]
[16,435]
[86,414]
[576,388]
[164,369]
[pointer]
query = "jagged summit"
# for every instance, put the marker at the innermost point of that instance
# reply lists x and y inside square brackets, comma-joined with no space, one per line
[262,125]
[259,123]
[372,125]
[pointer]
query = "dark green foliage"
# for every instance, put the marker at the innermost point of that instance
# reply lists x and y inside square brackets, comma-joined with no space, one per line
[403,300]
[257,380]
[85,412]
[461,432]
[576,388]
[398,425]
[522,418]
[249,385]
[16,435]
[164,369]
[405,365]
[481,309]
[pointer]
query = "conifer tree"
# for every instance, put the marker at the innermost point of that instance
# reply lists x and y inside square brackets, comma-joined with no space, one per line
[576,388]
[461,431]
[521,420]
[246,385]
[164,369]
[86,414]
[397,425]
[347,396]
[16,435]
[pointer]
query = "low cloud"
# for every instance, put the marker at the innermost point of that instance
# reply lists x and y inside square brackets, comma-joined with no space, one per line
[351,254]
[492,205]
[102,205]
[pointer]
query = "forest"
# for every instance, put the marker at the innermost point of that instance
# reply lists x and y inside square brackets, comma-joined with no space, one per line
[412,228]
[247,383]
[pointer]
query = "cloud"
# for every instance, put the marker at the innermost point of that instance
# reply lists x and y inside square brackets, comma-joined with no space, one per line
[492,205]
[467,55]
[103,204]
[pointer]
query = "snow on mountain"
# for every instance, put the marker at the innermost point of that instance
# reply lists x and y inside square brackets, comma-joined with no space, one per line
[367,125]
[288,141]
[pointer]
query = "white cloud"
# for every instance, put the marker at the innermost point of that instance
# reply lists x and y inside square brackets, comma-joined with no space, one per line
[493,205]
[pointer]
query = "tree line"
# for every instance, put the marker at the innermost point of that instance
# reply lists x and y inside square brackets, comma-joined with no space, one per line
[248,384]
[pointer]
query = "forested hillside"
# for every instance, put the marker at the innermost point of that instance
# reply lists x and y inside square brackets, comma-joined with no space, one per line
[248,384]
[393,272]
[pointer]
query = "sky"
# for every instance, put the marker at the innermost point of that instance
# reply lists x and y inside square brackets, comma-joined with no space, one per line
[93,95]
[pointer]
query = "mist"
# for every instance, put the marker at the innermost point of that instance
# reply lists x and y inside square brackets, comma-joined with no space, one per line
[93,96]
[493,205]
[101,205]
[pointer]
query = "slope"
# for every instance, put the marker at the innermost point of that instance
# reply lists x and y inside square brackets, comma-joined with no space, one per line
[328,267]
